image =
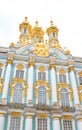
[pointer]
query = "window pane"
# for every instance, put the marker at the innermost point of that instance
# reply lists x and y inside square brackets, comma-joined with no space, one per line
[15,123]
[64,97]
[80,80]
[41,76]
[67,125]
[42,95]
[42,124]
[17,93]
[0,72]
[19,73]
[62,78]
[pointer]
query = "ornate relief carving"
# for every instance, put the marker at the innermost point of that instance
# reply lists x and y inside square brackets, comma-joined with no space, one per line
[42,115]
[62,71]
[64,85]
[80,93]
[80,73]
[1,84]
[1,65]
[45,84]
[69,117]
[20,81]
[42,68]
[15,114]
[41,49]
[20,66]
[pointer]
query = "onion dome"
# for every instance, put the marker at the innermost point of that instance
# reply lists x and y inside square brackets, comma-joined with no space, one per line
[37,33]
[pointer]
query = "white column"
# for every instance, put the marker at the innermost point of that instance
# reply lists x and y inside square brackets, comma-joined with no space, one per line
[28,123]
[30,82]
[53,83]
[74,85]
[6,83]
[79,124]
[2,119]
[56,122]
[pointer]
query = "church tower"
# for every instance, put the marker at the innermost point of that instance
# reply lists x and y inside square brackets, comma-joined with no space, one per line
[40,82]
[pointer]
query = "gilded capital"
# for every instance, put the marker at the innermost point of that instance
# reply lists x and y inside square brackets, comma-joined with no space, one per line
[71,68]
[31,64]
[9,61]
[52,66]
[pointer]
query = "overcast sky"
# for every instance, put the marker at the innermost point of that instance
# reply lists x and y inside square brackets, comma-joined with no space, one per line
[66,14]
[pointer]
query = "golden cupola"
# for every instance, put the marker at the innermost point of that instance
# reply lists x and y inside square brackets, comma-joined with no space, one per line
[52,33]
[25,32]
[37,34]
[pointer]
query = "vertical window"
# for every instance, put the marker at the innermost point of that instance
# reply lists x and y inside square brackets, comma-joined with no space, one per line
[67,125]
[80,80]
[42,95]
[15,123]
[0,72]
[53,34]
[64,97]
[17,93]
[19,74]
[42,124]
[62,78]
[41,76]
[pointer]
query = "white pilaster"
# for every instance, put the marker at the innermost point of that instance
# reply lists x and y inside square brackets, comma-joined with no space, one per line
[56,122]
[53,83]
[30,82]
[74,86]
[28,124]
[2,119]
[79,124]
[6,83]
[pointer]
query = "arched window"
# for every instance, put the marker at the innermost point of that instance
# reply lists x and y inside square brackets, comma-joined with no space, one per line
[42,95]
[64,97]
[53,34]
[17,98]
[0,72]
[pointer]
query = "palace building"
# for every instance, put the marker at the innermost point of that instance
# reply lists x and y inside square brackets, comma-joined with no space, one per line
[40,82]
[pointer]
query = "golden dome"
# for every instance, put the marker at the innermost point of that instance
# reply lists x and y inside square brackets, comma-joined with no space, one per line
[52,28]
[37,31]
[25,24]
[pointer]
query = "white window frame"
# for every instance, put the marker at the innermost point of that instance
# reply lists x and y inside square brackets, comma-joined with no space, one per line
[18,94]
[24,75]
[43,94]
[73,124]
[48,123]
[68,98]
[9,121]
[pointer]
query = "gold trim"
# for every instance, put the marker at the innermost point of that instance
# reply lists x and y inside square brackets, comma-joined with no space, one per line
[80,93]
[79,119]
[42,68]
[15,114]
[69,117]
[64,85]
[1,85]
[62,71]
[21,81]
[3,113]
[9,61]
[1,65]
[80,73]
[42,115]
[31,64]
[45,84]
[29,115]
[52,66]
[55,117]
[20,66]
[71,68]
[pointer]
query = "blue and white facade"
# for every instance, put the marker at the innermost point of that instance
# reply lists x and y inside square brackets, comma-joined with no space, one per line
[40,83]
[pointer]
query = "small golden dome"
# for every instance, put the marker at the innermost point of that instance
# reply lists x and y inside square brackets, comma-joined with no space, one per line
[52,28]
[25,24]
[12,44]
[37,31]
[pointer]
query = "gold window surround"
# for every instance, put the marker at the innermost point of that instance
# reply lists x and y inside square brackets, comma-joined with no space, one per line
[67,86]
[62,71]
[20,66]
[42,115]
[18,81]
[42,83]
[80,93]
[1,84]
